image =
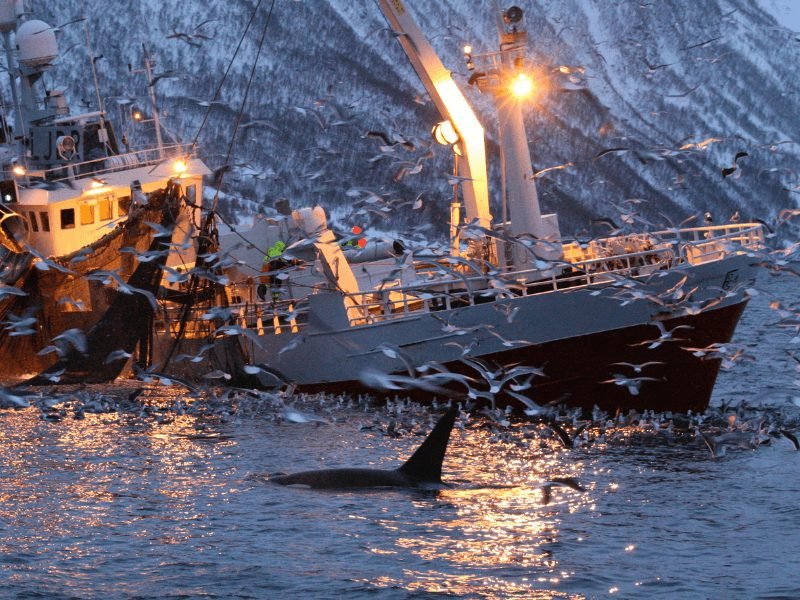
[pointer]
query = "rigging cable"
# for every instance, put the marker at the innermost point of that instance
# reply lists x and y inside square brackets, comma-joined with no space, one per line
[208,233]
[241,106]
[225,74]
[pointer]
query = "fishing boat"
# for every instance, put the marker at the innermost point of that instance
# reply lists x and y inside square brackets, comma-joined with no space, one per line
[86,221]
[513,314]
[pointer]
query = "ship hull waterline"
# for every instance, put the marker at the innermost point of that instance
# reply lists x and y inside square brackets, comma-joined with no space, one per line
[576,369]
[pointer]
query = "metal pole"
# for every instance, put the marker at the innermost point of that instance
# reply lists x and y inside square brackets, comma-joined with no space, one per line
[152,92]
[455,213]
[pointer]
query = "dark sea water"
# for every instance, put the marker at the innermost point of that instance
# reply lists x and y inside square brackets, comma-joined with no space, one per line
[164,496]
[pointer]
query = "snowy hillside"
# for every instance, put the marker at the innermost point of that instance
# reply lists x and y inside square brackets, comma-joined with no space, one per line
[677,88]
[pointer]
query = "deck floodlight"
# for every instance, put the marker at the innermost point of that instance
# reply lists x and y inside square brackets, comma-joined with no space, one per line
[522,86]
[179,167]
[513,15]
[444,133]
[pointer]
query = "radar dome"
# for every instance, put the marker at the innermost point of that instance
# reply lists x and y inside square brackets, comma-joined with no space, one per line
[36,44]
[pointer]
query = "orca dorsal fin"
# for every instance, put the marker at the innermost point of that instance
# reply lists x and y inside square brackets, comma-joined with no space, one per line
[425,464]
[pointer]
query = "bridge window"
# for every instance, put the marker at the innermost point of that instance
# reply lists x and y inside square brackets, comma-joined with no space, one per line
[105,206]
[45,220]
[87,214]
[34,222]
[67,218]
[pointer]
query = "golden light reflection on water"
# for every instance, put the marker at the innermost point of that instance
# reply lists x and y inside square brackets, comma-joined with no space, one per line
[500,521]
[470,586]
[83,479]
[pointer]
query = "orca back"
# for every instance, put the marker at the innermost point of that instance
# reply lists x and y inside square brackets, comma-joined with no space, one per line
[425,465]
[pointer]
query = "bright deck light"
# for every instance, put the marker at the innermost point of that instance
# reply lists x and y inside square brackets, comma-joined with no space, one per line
[19,170]
[179,167]
[445,133]
[522,86]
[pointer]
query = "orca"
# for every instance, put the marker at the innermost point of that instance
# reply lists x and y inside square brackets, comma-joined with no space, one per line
[423,468]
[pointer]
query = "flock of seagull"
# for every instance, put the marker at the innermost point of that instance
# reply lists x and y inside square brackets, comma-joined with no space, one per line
[554,429]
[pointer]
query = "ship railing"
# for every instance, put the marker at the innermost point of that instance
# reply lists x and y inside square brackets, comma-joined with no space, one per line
[116,162]
[268,317]
[600,270]
[169,320]
[446,294]
[713,242]
[290,315]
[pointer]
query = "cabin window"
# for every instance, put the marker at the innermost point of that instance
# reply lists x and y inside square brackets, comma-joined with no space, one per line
[45,220]
[87,214]
[124,204]
[191,193]
[105,207]
[34,222]
[67,218]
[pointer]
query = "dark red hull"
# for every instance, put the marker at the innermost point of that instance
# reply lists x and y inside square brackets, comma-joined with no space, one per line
[576,367]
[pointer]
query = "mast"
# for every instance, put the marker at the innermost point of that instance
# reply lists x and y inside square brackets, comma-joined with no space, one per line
[503,75]
[151,89]
[9,13]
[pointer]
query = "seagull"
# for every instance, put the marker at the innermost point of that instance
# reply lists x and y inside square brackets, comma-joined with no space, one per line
[569,482]
[666,336]
[633,384]
[531,408]
[384,381]
[295,416]
[10,290]
[74,337]
[45,264]
[730,170]
[160,230]
[143,256]
[116,355]
[71,337]
[20,326]
[792,438]
[7,399]
[106,277]
[567,440]
[638,368]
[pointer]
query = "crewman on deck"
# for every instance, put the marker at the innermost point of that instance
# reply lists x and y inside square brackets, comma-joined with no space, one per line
[273,262]
[357,241]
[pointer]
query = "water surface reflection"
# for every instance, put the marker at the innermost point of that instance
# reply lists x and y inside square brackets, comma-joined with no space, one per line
[166,496]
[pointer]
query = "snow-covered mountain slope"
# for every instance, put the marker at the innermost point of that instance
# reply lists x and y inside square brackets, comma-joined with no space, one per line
[677,88]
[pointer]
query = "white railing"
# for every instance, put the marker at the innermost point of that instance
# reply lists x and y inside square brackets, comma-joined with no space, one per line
[117,162]
[446,292]
[704,244]
[281,316]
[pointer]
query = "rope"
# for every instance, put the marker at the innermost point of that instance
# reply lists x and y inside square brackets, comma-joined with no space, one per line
[244,101]
[208,235]
[225,75]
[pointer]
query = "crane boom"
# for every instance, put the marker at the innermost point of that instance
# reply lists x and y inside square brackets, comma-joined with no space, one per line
[452,105]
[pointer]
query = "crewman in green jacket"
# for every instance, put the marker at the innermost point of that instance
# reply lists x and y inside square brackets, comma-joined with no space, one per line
[273,262]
